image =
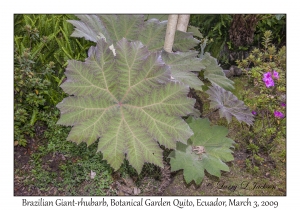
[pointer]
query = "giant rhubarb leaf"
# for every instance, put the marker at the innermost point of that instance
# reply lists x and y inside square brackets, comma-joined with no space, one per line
[229,105]
[132,27]
[90,27]
[207,149]
[152,34]
[214,73]
[128,101]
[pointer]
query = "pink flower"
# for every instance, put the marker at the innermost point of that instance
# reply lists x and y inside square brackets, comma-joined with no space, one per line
[254,112]
[267,75]
[278,114]
[269,82]
[283,104]
[275,75]
[268,79]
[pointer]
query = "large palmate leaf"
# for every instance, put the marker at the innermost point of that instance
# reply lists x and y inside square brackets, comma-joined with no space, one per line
[132,27]
[229,105]
[152,34]
[214,73]
[183,65]
[207,149]
[128,101]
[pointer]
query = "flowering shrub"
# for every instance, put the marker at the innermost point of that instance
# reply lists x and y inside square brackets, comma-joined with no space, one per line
[267,73]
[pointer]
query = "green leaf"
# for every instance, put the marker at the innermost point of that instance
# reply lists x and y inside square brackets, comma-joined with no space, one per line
[183,67]
[132,27]
[184,41]
[90,27]
[128,101]
[153,34]
[207,149]
[33,117]
[195,31]
[123,26]
[229,105]
[214,73]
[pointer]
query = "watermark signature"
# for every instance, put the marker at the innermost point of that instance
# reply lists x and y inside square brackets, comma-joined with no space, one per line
[245,185]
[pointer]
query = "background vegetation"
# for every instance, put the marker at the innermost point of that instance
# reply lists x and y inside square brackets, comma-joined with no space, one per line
[45,163]
[222,31]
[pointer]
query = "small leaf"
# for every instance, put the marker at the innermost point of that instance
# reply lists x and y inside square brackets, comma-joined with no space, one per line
[207,149]
[229,105]
[33,117]
[195,31]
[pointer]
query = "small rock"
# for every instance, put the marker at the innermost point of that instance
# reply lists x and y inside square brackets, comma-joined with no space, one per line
[136,191]
[235,71]
[227,73]
[93,174]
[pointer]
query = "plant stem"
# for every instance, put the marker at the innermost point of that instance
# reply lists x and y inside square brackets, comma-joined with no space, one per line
[183,22]
[170,33]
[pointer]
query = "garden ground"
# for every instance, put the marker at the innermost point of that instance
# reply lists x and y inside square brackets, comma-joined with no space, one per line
[259,172]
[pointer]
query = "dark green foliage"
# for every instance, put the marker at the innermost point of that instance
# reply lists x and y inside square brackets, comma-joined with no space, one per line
[42,46]
[275,23]
[215,27]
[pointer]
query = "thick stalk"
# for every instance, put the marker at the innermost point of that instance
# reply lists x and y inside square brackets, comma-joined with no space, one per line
[183,22]
[170,33]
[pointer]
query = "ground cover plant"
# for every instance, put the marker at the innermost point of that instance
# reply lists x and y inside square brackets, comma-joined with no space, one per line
[268,73]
